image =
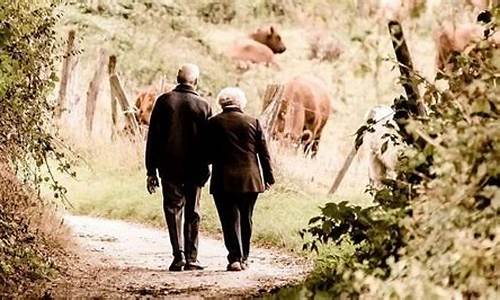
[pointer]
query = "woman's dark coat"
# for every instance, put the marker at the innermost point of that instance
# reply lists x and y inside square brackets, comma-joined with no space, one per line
[237,150]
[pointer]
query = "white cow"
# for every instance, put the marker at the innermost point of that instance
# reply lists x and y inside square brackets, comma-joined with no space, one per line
[381,164]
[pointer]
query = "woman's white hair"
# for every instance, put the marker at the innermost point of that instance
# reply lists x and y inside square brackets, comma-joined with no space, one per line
[232,96]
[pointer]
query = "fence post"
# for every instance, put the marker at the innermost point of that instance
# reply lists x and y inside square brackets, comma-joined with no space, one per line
[114,111]
[416,106]
[272,102]
[405,68]
[65,74]
[118,94]
[93,91]
[343,170]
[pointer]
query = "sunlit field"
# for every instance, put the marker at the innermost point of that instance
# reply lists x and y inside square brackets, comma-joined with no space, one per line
[151,43]
[415,217]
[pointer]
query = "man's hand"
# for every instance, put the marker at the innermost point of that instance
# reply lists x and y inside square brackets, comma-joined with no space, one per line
[268,186]
[152,183]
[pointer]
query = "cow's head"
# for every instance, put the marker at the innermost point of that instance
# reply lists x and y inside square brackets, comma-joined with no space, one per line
[269,37]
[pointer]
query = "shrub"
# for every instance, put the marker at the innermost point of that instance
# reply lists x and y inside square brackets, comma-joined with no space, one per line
[27,142]
[324,48]
[435,228]
[27,45]
[217,12]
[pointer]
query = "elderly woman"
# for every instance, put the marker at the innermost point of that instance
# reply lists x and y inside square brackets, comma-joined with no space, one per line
[241,169]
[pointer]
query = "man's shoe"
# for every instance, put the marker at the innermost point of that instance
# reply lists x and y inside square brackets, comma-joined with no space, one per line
[177,265]
[234,266]
[194,266]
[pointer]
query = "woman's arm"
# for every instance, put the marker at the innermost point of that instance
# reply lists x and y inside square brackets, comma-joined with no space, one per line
[207,137]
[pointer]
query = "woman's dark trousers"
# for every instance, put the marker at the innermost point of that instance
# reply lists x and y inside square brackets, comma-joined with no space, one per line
[235,213]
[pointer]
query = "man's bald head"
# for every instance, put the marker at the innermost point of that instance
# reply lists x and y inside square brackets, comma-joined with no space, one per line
[188,74]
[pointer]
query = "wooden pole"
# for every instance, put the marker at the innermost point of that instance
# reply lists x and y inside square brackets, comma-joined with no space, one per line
[93,91]
[268,95]
[114,111]
[119,95]
[65,74]
[343,170]
[272,102]
[416,107]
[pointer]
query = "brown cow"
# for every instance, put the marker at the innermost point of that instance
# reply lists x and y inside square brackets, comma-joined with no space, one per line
[259,47]
[452,39]
[304,111]
[146,100]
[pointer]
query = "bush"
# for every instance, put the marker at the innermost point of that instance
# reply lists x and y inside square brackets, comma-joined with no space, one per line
[29,239]
[27,142]
[324,48]
[434,229]
[217,12]
[27,44]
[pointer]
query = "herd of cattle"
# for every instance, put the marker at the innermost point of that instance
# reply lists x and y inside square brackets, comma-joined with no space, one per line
[306,100]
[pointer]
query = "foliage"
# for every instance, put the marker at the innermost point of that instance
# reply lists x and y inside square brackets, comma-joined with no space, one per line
[373,232]
[324,48]
[27,44]
[27,251]
[434,228]
[27,47]
[217,12]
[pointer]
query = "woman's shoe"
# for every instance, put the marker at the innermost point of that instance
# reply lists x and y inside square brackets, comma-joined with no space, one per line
[245,265]
[234,266]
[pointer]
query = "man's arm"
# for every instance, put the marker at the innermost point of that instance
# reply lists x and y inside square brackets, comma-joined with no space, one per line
[154,134]
[265,159]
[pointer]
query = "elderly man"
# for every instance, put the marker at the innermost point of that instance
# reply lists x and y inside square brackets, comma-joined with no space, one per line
[174,150]
[241,169]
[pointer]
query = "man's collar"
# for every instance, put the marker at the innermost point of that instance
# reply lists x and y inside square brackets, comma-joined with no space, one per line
[185,88]
[232,108]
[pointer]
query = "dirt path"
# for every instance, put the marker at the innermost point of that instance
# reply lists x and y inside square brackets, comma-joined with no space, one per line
[120,259]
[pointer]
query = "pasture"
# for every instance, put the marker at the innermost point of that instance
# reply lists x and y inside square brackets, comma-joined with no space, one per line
[351,53]
[425,227]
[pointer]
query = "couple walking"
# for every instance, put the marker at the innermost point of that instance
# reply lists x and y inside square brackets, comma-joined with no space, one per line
[183,139]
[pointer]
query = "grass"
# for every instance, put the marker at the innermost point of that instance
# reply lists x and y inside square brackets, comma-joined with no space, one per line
[112,185]
[152,38]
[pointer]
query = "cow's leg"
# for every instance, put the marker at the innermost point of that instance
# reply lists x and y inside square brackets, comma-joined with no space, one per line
[306,140]
[315,147]
[317,136]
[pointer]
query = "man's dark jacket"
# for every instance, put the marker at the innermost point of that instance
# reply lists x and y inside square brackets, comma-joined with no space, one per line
[235,144]
[174,145]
